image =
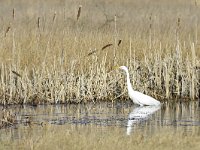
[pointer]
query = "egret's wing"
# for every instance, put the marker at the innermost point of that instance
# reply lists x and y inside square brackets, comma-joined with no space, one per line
[145,99]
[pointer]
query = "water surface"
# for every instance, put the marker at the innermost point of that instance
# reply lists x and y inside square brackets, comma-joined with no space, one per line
[123,116]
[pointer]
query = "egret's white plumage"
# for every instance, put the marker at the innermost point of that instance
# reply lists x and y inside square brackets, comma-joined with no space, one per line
[138,97]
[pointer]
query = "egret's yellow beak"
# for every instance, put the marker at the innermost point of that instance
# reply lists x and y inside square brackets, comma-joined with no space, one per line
[115,67]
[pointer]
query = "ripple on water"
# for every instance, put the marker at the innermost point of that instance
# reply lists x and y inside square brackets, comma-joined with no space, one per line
[119,115]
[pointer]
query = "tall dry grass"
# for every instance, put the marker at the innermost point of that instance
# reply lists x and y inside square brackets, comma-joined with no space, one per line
[64,51]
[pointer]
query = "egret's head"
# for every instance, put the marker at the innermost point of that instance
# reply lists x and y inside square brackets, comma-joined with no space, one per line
[124,68]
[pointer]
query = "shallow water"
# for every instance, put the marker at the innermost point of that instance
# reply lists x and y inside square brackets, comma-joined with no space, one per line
[124,116]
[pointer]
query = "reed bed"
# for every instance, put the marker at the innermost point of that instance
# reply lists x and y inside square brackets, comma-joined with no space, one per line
[7,119]
[65,51]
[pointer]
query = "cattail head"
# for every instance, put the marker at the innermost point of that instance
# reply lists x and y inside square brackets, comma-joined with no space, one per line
[150,20]
[54,16]
[7,30]
[79,12]
[195,3]
[119,42]
[104,47]
[92,52]
[13,13]
[38,22]
[17,74]
[178,22]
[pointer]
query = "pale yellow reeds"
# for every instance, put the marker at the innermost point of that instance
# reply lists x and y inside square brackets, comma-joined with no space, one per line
[43,60]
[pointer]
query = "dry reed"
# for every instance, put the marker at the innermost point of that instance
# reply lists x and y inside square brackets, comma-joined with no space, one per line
[7,119]
[48,65]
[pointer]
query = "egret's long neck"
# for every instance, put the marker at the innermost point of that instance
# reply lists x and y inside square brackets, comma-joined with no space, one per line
[128,81]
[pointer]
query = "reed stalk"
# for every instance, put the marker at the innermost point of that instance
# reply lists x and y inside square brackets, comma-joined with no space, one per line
[70,60]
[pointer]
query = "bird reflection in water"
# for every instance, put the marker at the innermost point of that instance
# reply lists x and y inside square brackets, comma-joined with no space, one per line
[140,114]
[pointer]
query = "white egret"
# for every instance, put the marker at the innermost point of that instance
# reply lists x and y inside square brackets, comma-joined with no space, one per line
[138,97]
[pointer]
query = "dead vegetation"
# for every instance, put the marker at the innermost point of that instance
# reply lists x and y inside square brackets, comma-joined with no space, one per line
[44,48]
[93,137]
[7,119]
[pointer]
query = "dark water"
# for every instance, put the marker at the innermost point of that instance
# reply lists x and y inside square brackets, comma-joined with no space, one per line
[125,116]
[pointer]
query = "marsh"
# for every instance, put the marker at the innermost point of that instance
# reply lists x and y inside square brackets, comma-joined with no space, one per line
[89,126]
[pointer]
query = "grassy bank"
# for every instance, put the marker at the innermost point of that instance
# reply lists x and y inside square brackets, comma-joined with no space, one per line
[59,52]
[92,137]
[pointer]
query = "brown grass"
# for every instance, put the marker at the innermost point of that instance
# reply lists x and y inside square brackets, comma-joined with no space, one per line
[7,119]
[93,137]
[46,45]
